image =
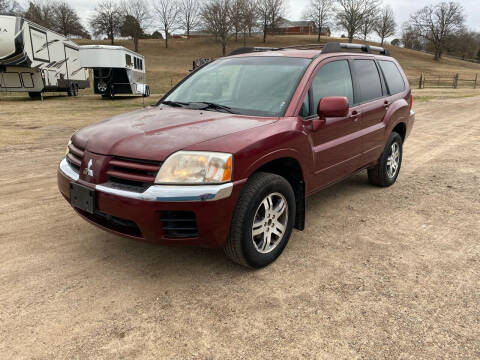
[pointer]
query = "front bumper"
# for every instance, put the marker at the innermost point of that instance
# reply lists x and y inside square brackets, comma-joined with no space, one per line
[143,212]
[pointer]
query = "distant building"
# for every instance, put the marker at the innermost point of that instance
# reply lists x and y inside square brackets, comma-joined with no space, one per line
[304,27]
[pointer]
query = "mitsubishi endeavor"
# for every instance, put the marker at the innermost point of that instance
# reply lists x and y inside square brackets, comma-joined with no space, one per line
[227,157]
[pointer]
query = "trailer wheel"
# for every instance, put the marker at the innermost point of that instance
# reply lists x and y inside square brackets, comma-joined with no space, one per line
[34,95]
[75,89]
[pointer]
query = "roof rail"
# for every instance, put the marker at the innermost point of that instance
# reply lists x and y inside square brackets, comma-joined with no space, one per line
[334,47]
[246,50]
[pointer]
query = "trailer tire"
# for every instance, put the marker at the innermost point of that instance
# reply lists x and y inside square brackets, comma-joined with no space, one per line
[75,89]
[146,93]
[35,94]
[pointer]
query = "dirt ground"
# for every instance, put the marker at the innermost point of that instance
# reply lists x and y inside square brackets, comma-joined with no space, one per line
[378,273]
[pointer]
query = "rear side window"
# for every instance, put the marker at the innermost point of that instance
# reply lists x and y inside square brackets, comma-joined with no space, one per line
[393,77]
[333,79]
[128,60]
[368,80]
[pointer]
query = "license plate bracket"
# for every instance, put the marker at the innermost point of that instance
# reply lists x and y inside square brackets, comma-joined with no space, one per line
[82,197]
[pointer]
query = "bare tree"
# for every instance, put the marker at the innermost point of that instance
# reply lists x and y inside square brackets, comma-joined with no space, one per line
[168,13]
[189,15]
[136,19]
[39,12]
[436,23]
[370,18]
[216,17]
[411,39]
[269,13]
[385,25]
[320,12]
[10,7]
[250,14]
[65,20]
[351,15]
[107,20]
[237,16]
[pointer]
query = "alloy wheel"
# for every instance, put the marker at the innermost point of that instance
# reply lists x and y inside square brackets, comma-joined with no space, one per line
[270,223]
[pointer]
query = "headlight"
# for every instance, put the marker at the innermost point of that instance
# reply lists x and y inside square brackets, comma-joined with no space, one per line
[196,167]
[68,150]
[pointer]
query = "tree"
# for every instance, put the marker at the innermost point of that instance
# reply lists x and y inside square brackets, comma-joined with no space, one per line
[319,11]
[65,20]
[396,42]
[269,13]
[370,17]
[40,13]
[216,17]
[189,15]
[237,16]
[436,23]
[136,18]
[385,25]
[10,7]
[168,13]
[107,20]
[250,15]
[411,39]
[351,15]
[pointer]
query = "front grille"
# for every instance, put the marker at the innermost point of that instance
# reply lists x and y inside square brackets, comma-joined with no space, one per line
[123,226]
[179,224]
[132,172]
[75,156]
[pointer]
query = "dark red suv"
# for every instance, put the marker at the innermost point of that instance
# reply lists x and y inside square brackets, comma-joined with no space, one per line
[227,157]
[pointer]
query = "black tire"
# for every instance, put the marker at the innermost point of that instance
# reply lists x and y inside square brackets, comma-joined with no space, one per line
[380,175]
[240,246]
[75,89]
[35,95]
[146,93]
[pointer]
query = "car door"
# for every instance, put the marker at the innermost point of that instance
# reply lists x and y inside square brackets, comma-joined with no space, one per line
[371,96]
[336,145]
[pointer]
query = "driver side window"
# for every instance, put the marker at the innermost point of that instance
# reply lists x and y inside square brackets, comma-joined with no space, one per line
[333,79]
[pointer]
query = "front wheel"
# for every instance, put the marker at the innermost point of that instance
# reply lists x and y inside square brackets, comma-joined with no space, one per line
[262,222]
[385,173]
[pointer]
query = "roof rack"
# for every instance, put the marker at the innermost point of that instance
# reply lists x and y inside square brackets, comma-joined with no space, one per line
[334,47]
[246,50]
[331,47]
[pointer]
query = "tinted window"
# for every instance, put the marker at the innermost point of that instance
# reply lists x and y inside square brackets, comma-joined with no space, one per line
[368,80]
[393,77]
[333,79]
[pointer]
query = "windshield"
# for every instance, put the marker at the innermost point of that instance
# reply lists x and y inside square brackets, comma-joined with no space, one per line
[259,86]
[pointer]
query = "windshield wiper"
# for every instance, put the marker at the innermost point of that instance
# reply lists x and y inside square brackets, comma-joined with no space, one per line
[210,105]
[174,103]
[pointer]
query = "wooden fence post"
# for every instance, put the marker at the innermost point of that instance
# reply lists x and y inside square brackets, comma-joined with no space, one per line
[420,81]
[475,82]
[455,81]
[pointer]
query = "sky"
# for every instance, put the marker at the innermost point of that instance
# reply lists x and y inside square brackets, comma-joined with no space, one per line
[295,8]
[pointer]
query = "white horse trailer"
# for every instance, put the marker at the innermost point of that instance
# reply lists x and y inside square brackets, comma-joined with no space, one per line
[34,59]
[116,70]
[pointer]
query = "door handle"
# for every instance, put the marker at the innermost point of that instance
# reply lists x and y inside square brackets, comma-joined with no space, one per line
[386,104]
[355,115]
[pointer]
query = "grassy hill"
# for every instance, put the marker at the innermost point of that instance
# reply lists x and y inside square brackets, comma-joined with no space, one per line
[166,67]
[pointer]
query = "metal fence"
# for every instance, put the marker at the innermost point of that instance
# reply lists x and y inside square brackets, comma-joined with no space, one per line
[453,81]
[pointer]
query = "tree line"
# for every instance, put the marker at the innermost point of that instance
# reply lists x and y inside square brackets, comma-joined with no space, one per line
[438,28]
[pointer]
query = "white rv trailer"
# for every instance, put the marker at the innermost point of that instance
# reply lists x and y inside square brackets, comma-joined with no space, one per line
[116,70]
[34,59]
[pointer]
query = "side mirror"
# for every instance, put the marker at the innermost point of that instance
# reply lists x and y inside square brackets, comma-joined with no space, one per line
[332,106]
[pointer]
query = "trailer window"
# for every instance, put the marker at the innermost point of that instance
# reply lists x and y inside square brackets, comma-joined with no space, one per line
[128,59]
[140,61]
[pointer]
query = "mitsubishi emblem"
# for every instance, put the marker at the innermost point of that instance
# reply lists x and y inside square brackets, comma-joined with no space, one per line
[88,170]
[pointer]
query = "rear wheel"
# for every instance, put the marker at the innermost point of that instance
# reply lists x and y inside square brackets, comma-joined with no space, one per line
[262,222]
[385,173]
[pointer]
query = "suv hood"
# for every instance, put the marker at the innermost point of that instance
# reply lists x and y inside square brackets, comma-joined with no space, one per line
[156,132]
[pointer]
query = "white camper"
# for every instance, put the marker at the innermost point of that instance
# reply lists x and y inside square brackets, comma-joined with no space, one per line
[116,70]
[34,59]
